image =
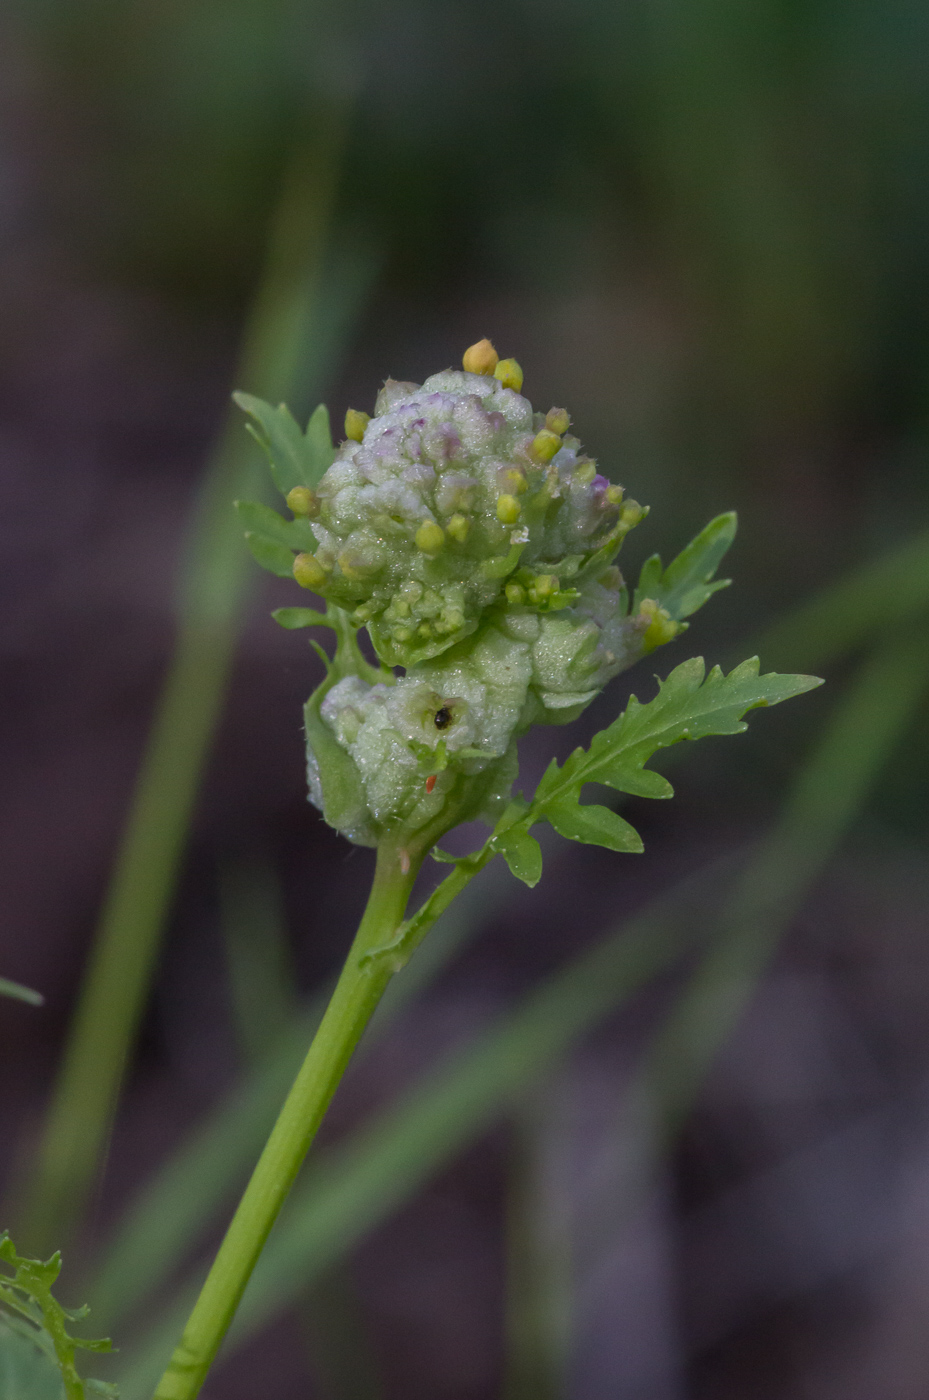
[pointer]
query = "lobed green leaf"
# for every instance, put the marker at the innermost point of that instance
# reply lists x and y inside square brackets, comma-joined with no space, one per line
[262,520]
[522,853]
[29,1308]
[594,825]
[296,458]
[276,558]
[685,585]
[689,705]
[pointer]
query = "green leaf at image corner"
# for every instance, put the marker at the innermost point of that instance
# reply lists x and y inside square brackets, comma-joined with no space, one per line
[685,585]
[30,1312]
[26,1372]
[296,458]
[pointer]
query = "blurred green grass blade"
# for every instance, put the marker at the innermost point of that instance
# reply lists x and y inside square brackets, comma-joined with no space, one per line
[351,1188]
[214,583]
[343,1361]
[20,993]
[538,1283]
[827,796]
[260,975]
[202,1177]
[866,603]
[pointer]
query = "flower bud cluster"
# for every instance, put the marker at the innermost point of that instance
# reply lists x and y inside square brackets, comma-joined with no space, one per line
[456,500]
[474,540]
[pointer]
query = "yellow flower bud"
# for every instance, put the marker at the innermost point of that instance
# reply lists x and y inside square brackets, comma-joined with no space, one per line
[661,628]
[557,420]
[430,537]
[514,480]
[480,358]
[458,527]
[544,585]
[309,572]
[631,514]
[510,374]
[515,593]
[545,444]
[508,510]
[355,424]
[303,501]
[614,495]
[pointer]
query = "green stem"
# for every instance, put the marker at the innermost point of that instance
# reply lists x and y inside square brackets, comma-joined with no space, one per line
[357,993]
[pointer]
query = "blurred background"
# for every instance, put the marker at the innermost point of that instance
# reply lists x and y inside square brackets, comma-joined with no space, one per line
[700,1168]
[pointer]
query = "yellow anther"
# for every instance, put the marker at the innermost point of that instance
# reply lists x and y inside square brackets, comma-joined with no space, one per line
[545,444]
[480,358]
[458,527]
[309,572]
[355,424]
[430,537]
[508,510]
[401,633]
[558,420]
[631,514]
[614,495]
[515,594]
[303,501]
[510,374]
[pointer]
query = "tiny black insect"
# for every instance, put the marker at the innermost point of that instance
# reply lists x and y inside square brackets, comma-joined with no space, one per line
[443,717]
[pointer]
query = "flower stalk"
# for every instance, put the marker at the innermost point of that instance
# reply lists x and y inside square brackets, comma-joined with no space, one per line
[359,989]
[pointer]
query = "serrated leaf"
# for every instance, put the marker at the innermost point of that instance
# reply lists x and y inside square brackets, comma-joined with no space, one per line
[522,853]
[293,618]
[29,1308]
[262,520]
[685,585]
[296,458]
[277,558]
[689,705]
[594,825]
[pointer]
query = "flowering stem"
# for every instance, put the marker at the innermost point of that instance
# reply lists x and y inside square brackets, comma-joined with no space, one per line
[357,993]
